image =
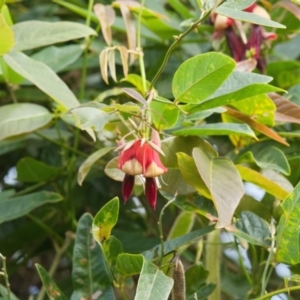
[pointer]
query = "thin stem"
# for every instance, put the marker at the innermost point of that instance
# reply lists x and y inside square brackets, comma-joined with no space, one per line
[59,252]
[5,275]
[86,50]
[284,290]
[30,189]
[241,261]
[265,279]
[45,227]
[175,43]
[61,144]
[160,229]
[139,47]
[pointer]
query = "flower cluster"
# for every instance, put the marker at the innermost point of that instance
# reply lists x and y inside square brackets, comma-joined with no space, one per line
[141,158]
[240,46]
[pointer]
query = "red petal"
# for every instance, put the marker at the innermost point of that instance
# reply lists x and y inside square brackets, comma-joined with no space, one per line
[151,191]
[127,186]
[235,43]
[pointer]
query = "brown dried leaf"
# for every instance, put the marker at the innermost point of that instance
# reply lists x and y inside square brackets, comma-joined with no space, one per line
[124,58]
[257,126]
[290,6]
[103,64]
[287,111]
[130,29]
[106,16]
[111,64]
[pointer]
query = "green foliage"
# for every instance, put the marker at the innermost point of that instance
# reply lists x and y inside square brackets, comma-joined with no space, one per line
[81,87]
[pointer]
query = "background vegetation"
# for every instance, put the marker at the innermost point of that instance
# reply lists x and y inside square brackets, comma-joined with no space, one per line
[227,213]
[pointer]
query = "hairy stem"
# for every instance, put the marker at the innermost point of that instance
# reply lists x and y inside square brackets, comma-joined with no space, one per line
[160,229]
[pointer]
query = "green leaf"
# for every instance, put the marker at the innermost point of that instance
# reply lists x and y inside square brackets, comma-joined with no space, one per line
[6,36]
[129,264]
[136,81]
[50,286]
[246,16]
[287,239]
[174,244]
[43,77]
[164,115]
[238,86]
[153,284]
[199,77]
[172,180]
[180,8]
[239,5]
[8,73]
[190,174]
[32,170]
[33,34]
[15,207]
[182,225]
[105,220]
[252,228]
[91,276]
[89,162]
[217,129]
[260,108]
[195,278]
[58,58]
[266,184]
[223,181]
[272,159]
[285,73]
[3,292]
[112,248]
[90,117]
[20,118]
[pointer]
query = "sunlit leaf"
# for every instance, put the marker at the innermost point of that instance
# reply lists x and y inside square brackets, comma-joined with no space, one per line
[164,115]
[199,77]
[33,34]
[260,108]
[43,77]
[105,220]
[6,36]
[103,61]
[20,118]
[257,126]
[266,184]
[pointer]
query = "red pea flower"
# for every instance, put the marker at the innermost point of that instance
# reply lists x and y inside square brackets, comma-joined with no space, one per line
[141,158]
